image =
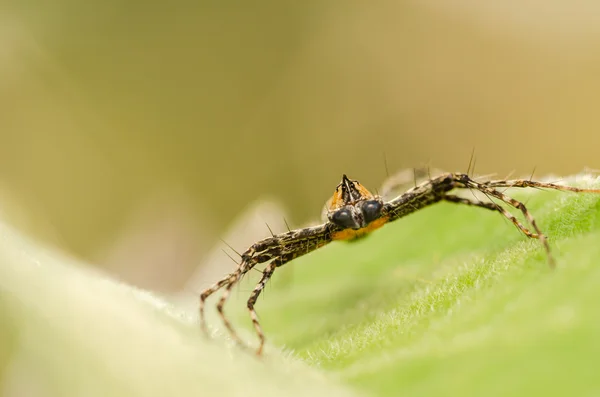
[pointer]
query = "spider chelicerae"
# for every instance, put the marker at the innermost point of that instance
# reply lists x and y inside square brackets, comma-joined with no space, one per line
[353,212]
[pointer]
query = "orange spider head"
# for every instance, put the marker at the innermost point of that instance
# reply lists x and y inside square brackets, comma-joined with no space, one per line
[354,209]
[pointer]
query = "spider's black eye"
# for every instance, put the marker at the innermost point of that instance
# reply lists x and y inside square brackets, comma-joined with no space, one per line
[371,210]
[343,218]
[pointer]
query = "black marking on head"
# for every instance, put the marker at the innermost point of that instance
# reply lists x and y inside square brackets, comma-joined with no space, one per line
[350,191]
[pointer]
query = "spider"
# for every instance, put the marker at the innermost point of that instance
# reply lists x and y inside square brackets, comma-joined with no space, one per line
[353,212]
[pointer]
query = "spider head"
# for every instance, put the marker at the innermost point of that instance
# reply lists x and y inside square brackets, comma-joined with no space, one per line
[353,206]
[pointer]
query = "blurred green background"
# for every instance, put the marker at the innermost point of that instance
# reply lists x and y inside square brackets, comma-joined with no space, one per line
[133,133]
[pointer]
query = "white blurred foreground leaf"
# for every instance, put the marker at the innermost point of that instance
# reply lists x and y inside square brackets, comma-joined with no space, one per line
[70,331]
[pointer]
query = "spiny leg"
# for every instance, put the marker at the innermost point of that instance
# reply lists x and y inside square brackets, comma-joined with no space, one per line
[290,245]
[249,260]
[248,263]
[489,188]
[220,307]
[267,273]
[493,207]
[208,292]
[315,241]
[485,188]
[525,183]
[278,248]
[436,189]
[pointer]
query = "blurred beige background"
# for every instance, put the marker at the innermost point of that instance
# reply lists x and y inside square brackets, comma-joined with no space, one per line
[132,134]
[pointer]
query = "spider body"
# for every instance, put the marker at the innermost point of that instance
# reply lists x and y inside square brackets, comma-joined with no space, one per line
[354,212]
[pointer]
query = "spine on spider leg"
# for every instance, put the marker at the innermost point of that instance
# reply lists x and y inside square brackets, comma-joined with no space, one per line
[525,183]
[415,199]
[293,244]
[286,246]
[260,252]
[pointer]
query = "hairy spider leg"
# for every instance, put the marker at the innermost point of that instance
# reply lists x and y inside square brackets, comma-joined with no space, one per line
[436,189]
[278,249]
[525,183]
[267,273]
[249,260]
[208,292]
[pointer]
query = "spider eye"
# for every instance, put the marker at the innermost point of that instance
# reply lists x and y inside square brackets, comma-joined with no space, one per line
[371,210]
[343,218]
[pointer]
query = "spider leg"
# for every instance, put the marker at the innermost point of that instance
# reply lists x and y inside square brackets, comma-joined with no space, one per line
[437,189]
[249,260]
[421,196]
[233,280]
[493,207]
[267,273]
[524,183]
[208,292]
[280,248]
[488,188]
[297,244]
